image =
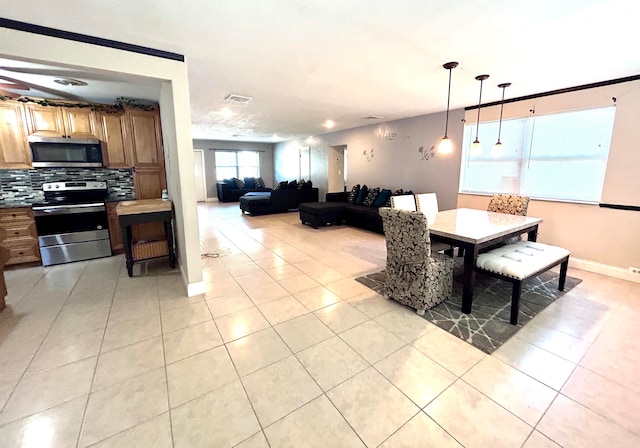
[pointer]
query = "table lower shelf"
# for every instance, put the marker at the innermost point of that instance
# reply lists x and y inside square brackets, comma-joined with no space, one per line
[145,250]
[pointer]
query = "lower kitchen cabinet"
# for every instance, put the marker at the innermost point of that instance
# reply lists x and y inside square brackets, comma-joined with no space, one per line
[18,235]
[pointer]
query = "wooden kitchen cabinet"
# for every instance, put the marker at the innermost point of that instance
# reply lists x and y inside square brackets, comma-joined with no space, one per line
[14,148]
[53,121]
[18,235]
[149,178]
[113,133]
[115,232]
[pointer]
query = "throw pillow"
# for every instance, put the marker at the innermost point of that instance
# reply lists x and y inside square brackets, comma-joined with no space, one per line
[383,197]
[293,185]
[229,182]
[398,192]
[282,185]
[372,194]
[300,184]
[353,194]
[361,195]
[259,182]
[249,183]
[308,185]
[239,183]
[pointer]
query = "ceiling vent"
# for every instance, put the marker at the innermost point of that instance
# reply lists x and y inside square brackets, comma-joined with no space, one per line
[241,99]
[373,117]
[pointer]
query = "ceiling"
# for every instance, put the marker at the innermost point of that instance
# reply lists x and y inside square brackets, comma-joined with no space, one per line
[305,62]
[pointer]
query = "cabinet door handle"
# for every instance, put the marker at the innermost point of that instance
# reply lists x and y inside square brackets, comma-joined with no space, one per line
[20,253]
[14,215]
[16,233]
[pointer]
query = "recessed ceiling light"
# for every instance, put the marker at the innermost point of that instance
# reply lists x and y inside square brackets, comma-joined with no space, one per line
[226,112]
[70,82]
[373,117]
[329,124]
[234,98]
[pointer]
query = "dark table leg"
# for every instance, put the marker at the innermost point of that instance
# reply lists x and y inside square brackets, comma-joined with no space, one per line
[127,238]
[469,281]
[532,235]
[168,231]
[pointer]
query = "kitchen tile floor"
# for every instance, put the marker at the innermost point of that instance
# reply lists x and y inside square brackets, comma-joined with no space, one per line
[285,349]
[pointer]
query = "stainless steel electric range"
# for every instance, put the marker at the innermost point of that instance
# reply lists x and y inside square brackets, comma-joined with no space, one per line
[72,222]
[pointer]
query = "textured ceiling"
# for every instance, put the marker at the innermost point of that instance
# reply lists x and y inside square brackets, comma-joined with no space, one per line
[304,62]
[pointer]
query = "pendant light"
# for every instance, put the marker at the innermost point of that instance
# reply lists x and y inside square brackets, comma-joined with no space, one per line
[476,147]
[498,150]
[445,146]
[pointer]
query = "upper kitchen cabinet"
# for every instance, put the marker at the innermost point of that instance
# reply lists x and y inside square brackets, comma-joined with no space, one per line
[53,121]
[14,149]
[146,138]
[113,130]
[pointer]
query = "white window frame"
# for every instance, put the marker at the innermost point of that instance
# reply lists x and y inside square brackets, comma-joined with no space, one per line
[515,166]
[236,165]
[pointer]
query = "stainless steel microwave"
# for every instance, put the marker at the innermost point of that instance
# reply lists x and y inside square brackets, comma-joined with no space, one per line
[53,152]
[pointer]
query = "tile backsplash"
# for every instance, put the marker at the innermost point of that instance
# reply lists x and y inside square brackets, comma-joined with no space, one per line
[24,187]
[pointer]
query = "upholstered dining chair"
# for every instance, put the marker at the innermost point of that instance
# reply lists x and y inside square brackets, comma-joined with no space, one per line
[404,202]
[509,203]
[414,276]
[427,203]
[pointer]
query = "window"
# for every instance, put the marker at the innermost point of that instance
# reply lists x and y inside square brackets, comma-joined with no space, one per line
[559,156]
[239,164]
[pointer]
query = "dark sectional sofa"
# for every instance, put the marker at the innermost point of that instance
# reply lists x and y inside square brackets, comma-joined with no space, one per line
[228,190]
[337,209]
[276,201]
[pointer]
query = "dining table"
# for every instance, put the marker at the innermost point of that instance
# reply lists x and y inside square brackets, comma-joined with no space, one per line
[474,231]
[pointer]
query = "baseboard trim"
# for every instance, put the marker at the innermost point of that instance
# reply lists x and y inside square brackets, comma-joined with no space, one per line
[193,289]
[604,269]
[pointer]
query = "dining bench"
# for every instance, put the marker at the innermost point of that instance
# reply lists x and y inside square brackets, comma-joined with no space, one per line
[520,261]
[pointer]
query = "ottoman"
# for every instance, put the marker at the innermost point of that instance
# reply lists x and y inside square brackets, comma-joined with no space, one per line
[321,213]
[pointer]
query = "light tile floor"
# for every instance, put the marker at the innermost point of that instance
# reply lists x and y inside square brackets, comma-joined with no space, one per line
[285,349]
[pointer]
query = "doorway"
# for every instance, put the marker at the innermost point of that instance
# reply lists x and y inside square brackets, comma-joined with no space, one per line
[199,175]
[337,178]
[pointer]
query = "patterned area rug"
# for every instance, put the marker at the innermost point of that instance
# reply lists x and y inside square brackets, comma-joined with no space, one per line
[487,327]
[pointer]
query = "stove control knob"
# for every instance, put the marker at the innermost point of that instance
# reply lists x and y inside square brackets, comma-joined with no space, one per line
[57,186]
[99,227]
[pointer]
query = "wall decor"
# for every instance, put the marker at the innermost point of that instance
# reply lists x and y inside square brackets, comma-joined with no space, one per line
[426,154]
[368,155]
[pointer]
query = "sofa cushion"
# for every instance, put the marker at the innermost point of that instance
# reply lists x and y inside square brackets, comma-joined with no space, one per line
[308,185]
[239,183]
[361,195]
[249,183]
[372,194]
[229,182]
[383,197]
[259,183]
[293,185]
[353,194]
[282,185]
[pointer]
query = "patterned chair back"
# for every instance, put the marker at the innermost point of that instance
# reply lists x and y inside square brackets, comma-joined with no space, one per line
[404,202]
[509,203]
[407,235]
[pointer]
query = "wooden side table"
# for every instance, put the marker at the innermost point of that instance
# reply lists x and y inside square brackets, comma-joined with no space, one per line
[140,212]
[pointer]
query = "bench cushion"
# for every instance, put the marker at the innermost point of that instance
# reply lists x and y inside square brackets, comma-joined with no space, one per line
[521,260]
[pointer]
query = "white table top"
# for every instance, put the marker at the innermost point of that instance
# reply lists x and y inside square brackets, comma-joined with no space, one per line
[477,226]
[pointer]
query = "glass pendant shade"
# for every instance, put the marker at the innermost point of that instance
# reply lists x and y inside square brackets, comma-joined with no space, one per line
[476,148]
[446,146]
[497,150]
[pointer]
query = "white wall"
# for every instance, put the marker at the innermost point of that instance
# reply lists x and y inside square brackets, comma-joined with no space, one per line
[176,122]
[396,161]
[265,153]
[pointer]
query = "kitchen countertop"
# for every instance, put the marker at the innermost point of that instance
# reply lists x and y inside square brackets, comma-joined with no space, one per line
[143,206]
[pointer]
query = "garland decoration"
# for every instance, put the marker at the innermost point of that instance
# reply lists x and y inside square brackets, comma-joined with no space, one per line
[117,107]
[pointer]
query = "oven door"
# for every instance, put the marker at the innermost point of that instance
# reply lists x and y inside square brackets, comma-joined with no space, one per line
[69,233]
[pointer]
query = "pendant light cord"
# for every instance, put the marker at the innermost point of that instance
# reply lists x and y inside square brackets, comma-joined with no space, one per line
[446,123]
[478,119]
[501,108]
